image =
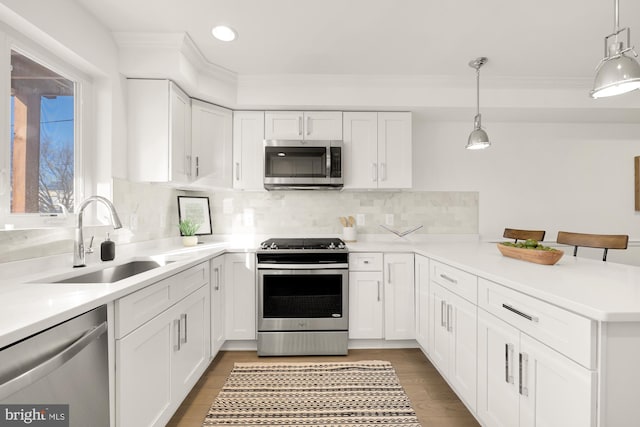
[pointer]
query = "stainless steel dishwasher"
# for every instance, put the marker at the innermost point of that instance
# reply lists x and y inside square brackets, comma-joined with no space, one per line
[66,364]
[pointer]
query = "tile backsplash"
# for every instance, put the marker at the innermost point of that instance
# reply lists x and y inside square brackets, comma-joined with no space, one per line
[318,212]
[149,212]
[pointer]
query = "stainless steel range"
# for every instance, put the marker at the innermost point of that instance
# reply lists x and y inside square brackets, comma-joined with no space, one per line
[303,297]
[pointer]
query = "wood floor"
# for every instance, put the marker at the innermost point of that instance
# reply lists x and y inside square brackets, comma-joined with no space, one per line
[434,402]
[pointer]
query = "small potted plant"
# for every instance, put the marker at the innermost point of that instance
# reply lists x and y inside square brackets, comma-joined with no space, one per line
[188,230]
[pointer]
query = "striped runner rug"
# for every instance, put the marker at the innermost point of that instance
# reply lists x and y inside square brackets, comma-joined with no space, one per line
[364,393]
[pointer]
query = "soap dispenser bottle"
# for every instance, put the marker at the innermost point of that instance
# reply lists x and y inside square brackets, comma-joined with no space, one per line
[107,250]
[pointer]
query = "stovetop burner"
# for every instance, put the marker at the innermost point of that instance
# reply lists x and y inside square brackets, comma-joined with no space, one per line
[303,244]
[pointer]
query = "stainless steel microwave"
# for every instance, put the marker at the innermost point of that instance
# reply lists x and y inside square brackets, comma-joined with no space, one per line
[303,165]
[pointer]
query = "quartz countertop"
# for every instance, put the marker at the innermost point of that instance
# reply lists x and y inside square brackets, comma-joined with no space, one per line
[603,291]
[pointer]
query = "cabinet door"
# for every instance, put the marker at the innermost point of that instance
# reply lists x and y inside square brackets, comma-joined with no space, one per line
[498,373]
[191,357]
[217,304]
[462,326]
[211,148]
[323,125]
[283,125]
[248,150]
[180,141]
[439,335]
[422,301]
[240,296]
[394,150]
[143,373]
[365,305]
[554,390]
[360,159]
[399,298]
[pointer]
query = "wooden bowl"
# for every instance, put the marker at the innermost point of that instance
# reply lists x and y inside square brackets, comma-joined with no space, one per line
[531,255]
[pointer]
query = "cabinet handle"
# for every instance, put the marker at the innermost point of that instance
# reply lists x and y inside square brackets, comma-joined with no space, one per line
[216,271]
[197,166]
[449,279]
[300,125]
[449,317]
[374,173]
[366,261]
[237,171]
[183,320]
[524,374]
[389,275]
[176,326]
[378,290]
[508,355]
[383,171]
[520,313]
[443,309]
[308,125]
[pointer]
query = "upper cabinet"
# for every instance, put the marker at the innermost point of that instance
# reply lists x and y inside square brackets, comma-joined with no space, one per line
[248,151]
[377,150]
[159,131]
[211,146]
[307,125]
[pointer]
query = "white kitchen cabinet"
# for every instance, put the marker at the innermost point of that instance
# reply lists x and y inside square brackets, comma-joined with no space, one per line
[159,360]
[217,304]
[399,297]
[248,150]
[240,296]
[453,341]
[159,131]
[377,150]
[366,303]
[524,383]
[422,302]
[303,125]
[211,144]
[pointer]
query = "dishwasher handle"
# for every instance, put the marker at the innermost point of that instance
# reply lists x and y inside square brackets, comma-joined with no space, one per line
[45,368]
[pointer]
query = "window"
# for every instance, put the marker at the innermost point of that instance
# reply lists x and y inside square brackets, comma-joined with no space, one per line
[42,140]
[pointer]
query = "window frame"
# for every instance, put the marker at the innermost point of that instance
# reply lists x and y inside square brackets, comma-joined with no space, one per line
[83,151]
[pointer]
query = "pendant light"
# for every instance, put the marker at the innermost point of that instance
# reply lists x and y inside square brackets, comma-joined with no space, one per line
[478,139]
[616,73]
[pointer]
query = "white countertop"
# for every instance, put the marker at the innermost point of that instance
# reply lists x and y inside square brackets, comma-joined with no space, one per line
[603,291]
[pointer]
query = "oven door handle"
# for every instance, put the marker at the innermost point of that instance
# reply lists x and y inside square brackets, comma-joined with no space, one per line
[321,266]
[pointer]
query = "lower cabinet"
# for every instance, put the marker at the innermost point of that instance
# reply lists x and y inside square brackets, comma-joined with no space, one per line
[217,304]
[422,302]
[381,296]
[240,296]
[161,360]
[522,382]
[453,341]
[366,313]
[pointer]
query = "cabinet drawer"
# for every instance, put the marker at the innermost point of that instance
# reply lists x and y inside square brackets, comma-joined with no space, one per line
[565,332]
[365,261]
[135,309]
[457,281]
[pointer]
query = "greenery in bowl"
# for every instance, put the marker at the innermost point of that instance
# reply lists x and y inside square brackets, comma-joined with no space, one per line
[188,227]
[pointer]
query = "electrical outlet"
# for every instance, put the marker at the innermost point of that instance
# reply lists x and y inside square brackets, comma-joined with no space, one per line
[388,219]
[360,219]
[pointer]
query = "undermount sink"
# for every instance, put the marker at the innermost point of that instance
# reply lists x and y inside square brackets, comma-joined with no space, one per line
[115,273]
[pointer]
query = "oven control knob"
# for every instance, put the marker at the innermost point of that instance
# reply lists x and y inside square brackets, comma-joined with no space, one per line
[332,246]
[273,246]
[341,245]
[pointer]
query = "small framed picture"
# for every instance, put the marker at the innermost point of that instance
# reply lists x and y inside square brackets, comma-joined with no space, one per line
[197,210]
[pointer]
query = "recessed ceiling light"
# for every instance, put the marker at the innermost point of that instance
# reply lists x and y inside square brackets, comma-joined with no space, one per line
[223,33]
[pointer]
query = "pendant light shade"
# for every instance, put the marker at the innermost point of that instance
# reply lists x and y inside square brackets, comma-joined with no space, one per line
[617,73]
[478,139]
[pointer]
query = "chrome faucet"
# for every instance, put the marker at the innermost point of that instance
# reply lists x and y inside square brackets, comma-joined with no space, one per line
[78,243]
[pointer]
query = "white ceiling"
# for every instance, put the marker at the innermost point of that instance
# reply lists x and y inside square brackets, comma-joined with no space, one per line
[522,38]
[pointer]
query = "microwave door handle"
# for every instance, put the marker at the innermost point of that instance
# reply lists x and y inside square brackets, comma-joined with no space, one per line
[328,155]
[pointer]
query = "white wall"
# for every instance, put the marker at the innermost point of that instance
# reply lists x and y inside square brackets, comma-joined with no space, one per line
[552,176]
